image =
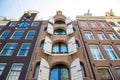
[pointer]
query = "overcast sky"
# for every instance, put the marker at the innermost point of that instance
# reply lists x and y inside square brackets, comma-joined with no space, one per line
[15,8]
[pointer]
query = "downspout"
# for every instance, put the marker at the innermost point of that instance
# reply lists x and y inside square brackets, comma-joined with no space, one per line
[85,53]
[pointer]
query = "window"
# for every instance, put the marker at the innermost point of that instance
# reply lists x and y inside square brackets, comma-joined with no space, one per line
[35,24]
[59,22]
[24,49]
[30,35]
[112,23]
[4,34]
[118,46]
[118,71]
[95,51]
[59,72]
[42,44]
[77,44]
[8,49]
[89,35]
[101,36]
[82,69]
[12,24]
[110,52]
[112,36]
[103,24]
[23,25]
[59,32]
[59,48]
[104,74]
[83,24]
[2,67]
[93,24]
[36,71]
[17,35]
[15,72]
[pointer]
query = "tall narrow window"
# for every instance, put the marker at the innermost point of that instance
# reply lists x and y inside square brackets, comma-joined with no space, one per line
[110,52]
[8,49]
[15,72]
[17,35]
[101,36]
[93,24]
[59,48]
[30,35]
[83,24]
[88,35]
[77,44]
[36,71]
[42,43]
[24,49]
[82,69]
[2,67]
[118,71]
[4,35]
[112,36]
[103,24]
[104,74]
[95,51]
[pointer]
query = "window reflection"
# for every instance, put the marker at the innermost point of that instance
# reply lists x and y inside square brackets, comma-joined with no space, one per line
[59,32]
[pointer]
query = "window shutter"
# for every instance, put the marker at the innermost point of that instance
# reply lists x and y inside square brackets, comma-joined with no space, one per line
[50,28]
[51,20]
[47,45]
[76,70]
[44,70]
[72,46]
[69,29]
[68,20]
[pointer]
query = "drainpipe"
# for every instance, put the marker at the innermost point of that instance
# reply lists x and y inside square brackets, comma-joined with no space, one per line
[85,53]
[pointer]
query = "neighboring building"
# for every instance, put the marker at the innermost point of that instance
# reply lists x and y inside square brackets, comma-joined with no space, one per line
[17,42]
[102,44]
[87,48]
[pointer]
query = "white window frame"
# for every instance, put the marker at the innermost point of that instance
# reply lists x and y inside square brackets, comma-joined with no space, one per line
[101,33]
[20,50]
[97,53]
[89,38]
[28,33]
[110,53]
[17,70]
[17,31]
[3,68]
[113,35]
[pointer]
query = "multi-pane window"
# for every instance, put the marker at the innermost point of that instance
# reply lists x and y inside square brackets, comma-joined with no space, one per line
[12,24]
[4,34]
[112,36]
[30,35]
[118,71]
[93,24]
[15,71]
[24,49]
[59,48]
[59,32]
[110,52]
[104,74]
[103,24]
[118,46]
[2,67]
[35,24]
[23,25]
[95,51]
[88,35]
[17,35]
[83,24]
[101,36]
[8,49]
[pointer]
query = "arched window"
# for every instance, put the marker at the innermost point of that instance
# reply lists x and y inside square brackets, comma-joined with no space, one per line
[42,44]
[77,44]
[59,22]
[82,69]
[59,72]
[36,71]
[59,32]
[59,48]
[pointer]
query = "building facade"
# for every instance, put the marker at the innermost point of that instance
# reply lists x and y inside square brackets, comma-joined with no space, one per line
[87,48]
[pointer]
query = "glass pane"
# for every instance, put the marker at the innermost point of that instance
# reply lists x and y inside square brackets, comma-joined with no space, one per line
[64,74]
[118,71]
[55,48]
[63,48]
[36,72]
[54,74]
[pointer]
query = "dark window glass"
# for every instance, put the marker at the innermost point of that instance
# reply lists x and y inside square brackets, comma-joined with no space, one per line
[23,25]
[59,22]
[59,32]
[36,71]
[118,71]
[42,44]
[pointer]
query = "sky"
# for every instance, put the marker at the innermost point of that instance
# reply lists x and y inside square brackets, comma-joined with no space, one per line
[14,9]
